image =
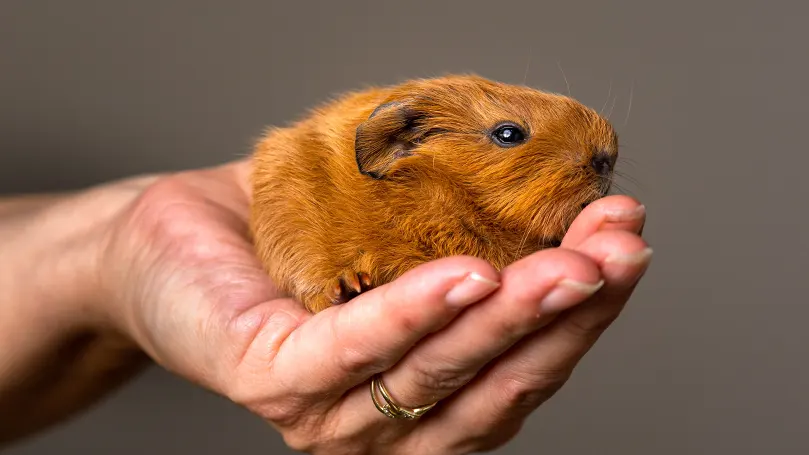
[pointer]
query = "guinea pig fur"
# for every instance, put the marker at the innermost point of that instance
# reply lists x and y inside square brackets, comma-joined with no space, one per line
[378,181]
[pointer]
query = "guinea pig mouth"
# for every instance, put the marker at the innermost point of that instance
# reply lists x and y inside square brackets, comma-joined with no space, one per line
[591,200]
[603,189]
[606,186]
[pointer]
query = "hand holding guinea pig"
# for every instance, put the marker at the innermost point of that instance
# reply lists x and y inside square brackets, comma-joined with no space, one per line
[489,346]
[444,214]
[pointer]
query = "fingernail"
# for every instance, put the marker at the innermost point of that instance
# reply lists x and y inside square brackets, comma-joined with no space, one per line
[568,292]
[642,257]
[473,288]
[618,215]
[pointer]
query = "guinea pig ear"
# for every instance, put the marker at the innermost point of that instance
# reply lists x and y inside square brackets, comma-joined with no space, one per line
[389,134]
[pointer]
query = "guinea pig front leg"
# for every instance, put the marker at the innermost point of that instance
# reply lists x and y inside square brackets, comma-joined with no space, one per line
[368,269]
[347,286]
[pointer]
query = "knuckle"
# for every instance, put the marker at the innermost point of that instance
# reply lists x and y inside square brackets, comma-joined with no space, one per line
[514,324]
[352,355]
[588,325]
[408,322]
[282,409]
[516,397]
[298,441]
[159,196]
[403,316]
[248,329]
[352,360]
[302,429]
[489,439]
[283,415]
[160,211]
[325,434]
[526,393]
[440,377]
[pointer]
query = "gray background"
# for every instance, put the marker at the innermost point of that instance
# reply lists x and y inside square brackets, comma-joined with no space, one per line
[710,356]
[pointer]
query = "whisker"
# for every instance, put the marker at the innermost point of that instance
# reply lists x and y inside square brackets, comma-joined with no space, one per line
[627,168]
[622,190]
[612,107]
[622,174]
[609,93]
[629,109]
[527,68]
[625,183]
[626,160]
[559,64]
[623,180]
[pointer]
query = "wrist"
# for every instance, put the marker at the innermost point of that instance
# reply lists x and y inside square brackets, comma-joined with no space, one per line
[50,253]
[51,268]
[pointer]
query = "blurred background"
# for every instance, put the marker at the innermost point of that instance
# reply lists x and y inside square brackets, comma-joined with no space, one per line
[710,102]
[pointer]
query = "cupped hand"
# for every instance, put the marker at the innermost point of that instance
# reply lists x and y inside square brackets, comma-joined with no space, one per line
[489,347]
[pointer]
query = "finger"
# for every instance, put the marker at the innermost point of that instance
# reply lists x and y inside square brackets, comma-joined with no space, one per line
[347,344]
[532,291]
[535,368]
[609,213]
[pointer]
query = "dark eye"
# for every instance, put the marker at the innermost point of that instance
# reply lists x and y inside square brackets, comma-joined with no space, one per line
[508,135]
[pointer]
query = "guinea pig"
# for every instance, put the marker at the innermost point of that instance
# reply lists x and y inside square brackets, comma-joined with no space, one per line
[378,181]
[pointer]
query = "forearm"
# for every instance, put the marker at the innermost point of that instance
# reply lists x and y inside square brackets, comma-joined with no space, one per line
[25,203]
[56,355]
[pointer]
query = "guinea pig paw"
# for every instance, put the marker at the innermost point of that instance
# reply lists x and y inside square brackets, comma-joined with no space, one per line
[347,286]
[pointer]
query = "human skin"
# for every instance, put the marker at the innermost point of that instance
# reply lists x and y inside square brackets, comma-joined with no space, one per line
[101,282]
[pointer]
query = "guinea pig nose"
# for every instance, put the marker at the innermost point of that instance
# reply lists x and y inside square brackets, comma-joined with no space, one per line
[602,163]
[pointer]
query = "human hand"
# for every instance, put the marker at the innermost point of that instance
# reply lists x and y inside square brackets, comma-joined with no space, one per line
[180,278]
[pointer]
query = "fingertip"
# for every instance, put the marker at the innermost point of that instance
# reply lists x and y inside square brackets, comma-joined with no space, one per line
[559,263]
[458,281]
[456,267]
[622,256]
[534,277]
[612,244]
[615,201]
[471,289]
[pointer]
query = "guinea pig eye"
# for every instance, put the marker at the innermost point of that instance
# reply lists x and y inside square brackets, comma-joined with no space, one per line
[508,135]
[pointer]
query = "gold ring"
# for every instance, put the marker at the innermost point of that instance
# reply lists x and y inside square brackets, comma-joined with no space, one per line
[391,409]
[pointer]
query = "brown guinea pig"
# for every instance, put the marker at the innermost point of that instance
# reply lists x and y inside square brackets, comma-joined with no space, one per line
[382,180]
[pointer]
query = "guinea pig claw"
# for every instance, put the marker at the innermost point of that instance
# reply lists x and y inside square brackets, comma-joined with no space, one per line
[348,286]
[365,281]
